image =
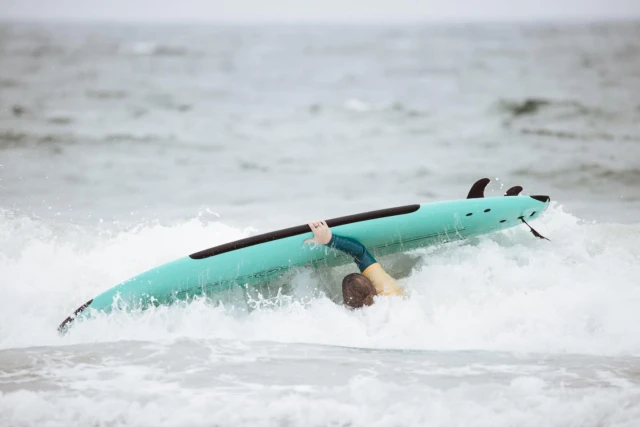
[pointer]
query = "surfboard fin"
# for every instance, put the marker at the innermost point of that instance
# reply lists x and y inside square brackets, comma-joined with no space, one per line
[477,189]
[513,191]
[534,232]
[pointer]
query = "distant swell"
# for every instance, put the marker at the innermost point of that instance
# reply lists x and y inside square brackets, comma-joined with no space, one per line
[584,174]
[533,106]
[564,134]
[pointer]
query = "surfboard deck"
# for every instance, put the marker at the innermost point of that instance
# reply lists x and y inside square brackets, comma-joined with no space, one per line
[267,256]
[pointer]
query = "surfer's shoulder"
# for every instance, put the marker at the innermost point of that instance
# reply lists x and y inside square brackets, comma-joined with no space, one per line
[385,284]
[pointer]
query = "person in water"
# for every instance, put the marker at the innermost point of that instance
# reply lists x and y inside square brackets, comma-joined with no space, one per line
[357,289]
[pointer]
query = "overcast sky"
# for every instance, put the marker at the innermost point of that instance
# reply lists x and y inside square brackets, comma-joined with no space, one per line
[317,10]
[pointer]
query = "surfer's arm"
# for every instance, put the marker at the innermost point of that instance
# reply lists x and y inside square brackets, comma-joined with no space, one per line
[369,267]
[360,254]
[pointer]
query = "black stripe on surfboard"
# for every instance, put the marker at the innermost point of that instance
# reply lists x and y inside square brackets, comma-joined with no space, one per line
[302,229]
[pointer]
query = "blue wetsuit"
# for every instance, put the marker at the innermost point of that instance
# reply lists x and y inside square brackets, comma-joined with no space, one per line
[360,254]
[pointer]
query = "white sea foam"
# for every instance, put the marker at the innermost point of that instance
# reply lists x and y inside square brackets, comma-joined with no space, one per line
[578,293]
[361,402]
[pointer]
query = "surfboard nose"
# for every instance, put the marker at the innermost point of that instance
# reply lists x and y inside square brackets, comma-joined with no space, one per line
[63,326]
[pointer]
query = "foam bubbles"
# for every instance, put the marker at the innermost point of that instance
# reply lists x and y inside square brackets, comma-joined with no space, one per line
[504,292]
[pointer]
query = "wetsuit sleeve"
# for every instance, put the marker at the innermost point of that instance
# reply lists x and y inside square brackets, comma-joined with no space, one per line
[360,254]
[370,268]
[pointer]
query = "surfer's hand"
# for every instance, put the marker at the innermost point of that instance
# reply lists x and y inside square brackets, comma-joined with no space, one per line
[321,233]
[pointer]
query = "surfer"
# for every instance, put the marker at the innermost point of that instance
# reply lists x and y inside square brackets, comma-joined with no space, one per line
[357,289]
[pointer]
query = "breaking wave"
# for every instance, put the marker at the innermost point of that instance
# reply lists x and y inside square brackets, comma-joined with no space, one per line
[578,293]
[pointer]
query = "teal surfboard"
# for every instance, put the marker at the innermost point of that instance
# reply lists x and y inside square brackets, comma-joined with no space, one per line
[267,256]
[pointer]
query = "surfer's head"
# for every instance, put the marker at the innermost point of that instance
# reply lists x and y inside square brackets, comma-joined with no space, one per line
[357,290]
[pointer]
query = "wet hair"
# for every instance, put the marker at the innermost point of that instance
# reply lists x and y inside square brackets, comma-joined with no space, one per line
[357,290]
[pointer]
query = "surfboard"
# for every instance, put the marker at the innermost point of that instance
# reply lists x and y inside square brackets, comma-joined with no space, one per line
[264,257]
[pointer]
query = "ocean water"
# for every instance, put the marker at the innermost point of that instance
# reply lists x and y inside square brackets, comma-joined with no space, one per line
[123,147]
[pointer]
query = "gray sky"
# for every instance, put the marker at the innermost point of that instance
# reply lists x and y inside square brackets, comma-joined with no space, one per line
[317,10]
